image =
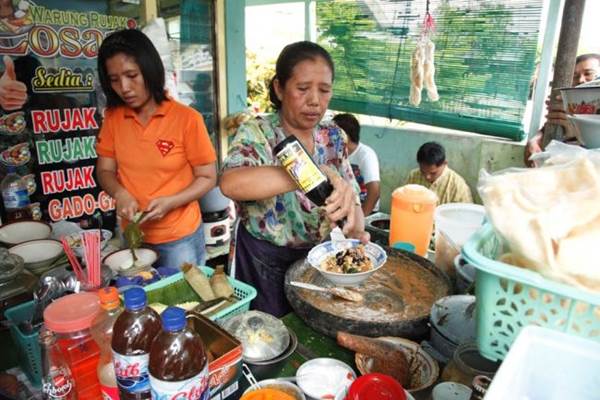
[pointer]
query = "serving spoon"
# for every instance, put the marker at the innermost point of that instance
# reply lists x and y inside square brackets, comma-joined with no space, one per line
[343,293]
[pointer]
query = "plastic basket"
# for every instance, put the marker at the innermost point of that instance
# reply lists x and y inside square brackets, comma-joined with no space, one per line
[509,298]
[243,292]
[30,355]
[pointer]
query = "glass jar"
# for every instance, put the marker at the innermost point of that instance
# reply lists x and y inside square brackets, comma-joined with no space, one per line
[466,364]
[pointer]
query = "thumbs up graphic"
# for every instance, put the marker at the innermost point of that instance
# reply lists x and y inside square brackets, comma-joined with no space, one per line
[13,93]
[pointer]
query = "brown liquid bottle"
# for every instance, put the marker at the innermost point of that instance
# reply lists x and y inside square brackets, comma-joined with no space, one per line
[133,334]
[178,364]
[295,159]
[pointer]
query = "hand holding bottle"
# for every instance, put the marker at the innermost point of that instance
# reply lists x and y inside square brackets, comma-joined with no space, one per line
[342,204]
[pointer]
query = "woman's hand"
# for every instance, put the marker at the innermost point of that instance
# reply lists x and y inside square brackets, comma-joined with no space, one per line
[342,203]
[158,208]
[127,205]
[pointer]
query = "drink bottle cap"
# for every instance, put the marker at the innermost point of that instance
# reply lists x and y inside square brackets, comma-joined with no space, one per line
[135,298]
[173,319]
[109,297]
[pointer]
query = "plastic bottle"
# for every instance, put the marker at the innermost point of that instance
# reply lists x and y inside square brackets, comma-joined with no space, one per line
[15,196]
[133,333]
[304,171]
[178,362]
[102,330]
[57,380]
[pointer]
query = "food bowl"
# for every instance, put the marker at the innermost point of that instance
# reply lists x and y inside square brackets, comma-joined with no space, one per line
[581,99]
[284,386]
[318,254]
[121,261]
[23,231]
[325,378]
[587,128]
[424,370]
[38,255]
[75,240]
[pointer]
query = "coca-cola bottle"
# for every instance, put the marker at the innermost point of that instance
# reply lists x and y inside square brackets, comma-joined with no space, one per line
[178,363]
[102,330]
[57,381]
[133,334]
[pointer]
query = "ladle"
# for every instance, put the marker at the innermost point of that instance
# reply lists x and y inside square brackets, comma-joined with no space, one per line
[346,294]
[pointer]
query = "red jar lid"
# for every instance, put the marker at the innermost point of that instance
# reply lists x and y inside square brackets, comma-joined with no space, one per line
[376,386]
[72,313]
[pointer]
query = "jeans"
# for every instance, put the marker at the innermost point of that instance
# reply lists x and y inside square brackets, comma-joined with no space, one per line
[190,249]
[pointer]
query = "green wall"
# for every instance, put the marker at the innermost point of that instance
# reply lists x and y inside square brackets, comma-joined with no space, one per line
[466,153]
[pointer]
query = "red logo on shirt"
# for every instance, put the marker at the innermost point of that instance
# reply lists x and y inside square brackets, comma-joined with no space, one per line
[164,146]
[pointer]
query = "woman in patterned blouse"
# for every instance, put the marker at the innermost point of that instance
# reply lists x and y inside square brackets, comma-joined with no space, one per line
[278,223]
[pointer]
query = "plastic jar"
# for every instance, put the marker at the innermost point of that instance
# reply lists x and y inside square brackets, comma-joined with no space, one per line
[466,364]
[70,318]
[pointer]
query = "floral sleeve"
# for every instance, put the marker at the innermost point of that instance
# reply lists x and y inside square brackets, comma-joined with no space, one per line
[249,147]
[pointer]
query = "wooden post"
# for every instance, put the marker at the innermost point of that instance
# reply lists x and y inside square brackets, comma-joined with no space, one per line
[565,59]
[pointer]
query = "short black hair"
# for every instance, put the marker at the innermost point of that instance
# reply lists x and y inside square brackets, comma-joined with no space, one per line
[292,55]
[431,153]
[137,45]
[350,125]
[588,56]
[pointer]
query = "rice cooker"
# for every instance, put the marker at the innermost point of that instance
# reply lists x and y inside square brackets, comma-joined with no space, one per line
[215,217]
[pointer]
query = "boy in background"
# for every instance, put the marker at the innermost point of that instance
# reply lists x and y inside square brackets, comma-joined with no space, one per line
[434,174]
[364,162]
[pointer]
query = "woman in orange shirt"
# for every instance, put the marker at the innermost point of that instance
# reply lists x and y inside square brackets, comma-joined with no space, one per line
[154,154]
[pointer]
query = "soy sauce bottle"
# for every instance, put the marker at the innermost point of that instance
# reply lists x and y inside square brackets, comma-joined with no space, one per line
[295,159]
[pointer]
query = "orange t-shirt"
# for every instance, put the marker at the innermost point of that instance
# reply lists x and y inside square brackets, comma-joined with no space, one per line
[156,160]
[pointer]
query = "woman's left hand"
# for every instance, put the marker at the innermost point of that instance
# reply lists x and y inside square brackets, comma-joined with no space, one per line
[342,203]
[158,208]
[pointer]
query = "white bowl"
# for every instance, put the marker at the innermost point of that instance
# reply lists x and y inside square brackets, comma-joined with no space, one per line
[587,128]
[325,378]
[581,99]
[121,261]
[75,240]
[38,254]
[23,231]
[318,254]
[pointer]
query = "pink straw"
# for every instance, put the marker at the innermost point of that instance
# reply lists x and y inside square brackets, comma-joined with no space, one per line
[73,260]
[91,242]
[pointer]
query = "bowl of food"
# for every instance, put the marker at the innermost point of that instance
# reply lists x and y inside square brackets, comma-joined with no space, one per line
[22,231]
[587,128]
[347,262]
[121,261]
[38,255]
[75,240]
[581,99]
[293,391]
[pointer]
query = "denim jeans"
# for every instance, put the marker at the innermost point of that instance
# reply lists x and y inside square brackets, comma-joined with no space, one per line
[190,249]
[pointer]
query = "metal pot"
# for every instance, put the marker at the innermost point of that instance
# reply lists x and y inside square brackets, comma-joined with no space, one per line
[268,368]
[452,323]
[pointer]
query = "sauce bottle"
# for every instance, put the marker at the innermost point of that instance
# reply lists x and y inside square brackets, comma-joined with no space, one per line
[102,330]
[298,163]
[178,362]
[133,334]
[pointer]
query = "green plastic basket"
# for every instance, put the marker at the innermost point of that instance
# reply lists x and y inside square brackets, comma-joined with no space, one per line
[175,289]
[509,298]
[30,355]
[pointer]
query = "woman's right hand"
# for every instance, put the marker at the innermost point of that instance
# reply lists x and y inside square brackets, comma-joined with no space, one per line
[127,205]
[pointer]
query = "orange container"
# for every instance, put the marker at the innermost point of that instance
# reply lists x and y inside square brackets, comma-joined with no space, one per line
[411,220]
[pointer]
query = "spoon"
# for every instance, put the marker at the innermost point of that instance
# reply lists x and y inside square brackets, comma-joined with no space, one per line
[346,294]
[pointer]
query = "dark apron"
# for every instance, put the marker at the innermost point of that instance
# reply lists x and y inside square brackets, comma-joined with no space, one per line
[263,265]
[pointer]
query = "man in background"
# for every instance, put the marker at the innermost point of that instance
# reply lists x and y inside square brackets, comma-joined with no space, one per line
[364,161]
[587,69]
[435,174]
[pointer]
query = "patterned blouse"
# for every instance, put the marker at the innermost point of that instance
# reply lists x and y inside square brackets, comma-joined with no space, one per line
[289,219]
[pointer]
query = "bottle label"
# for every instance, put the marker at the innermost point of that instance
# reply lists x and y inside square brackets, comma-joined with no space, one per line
[132,372]
[194,388]
[109,392]
[15,198]
[301,167]
[58,383]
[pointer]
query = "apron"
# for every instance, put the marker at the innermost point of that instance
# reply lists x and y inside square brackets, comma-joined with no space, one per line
[263,265]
